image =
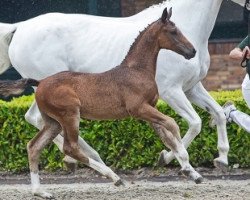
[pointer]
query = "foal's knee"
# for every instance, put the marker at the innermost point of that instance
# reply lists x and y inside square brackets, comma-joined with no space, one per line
[30,147]
[74,151]
[173,127]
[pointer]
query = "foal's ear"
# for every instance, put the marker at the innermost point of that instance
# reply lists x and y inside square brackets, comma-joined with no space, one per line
[165,15]
[169,14]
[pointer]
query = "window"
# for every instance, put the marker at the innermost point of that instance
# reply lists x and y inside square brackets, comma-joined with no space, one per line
[230,23]
[18,10]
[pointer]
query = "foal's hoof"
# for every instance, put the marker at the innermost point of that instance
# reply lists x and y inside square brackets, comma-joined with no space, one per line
[44,195]
[221,165]
[71,167]
[161,162]
[198,180]
[119,183]
[193,175]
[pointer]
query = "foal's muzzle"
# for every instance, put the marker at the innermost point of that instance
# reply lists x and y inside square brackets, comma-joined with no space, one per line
[190,54]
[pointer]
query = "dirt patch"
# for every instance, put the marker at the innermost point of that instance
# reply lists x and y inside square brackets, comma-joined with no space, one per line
[139,185]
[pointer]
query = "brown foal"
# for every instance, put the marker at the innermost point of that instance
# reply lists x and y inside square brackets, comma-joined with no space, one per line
[127,90]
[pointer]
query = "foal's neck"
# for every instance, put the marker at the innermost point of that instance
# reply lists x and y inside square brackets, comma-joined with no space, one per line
[144,51]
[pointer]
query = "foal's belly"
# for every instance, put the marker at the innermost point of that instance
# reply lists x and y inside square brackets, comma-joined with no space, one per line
[104,112]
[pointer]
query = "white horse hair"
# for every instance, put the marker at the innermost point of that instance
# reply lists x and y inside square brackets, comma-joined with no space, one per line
[56,42]
[6,33]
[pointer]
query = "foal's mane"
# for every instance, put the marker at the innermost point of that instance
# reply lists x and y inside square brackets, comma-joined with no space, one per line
[137,39]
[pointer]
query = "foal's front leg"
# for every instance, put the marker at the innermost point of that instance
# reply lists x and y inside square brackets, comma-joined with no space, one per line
[179,151]
[168,131]
[71,148]
[180,103]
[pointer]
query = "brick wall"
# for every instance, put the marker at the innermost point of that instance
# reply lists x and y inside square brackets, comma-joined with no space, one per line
[130,7]
[224,73]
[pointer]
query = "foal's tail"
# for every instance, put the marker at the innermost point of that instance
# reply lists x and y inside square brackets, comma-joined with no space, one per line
[8,87]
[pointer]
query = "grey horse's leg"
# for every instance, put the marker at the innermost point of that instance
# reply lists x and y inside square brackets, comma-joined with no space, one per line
[199,96]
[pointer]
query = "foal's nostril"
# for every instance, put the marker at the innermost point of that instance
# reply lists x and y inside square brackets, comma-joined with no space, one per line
[194,51]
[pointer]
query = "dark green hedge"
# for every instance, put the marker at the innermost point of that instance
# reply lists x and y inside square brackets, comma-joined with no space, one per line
[122,144]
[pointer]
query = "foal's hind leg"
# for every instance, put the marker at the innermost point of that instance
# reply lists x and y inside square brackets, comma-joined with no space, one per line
[168,131]
[33,116]
[72,148]
[34,147]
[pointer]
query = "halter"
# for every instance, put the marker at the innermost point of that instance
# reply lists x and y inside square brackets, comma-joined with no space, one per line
[245,63]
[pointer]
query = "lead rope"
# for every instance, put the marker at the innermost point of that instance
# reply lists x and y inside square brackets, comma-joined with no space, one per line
[245,63]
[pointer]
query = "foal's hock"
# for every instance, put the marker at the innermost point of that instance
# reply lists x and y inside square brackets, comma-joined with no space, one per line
[127,90]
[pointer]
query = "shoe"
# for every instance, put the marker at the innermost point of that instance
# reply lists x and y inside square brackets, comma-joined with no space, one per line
[228,107]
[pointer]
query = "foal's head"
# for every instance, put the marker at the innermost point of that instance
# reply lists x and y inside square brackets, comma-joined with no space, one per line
[171,38]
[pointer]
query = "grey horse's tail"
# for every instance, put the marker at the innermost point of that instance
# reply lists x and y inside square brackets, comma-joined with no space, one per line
[6,33]
[9,87]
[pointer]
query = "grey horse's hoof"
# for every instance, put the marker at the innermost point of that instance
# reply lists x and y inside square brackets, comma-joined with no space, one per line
[119,183]
[43,194]
[71,167]
[221,165]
